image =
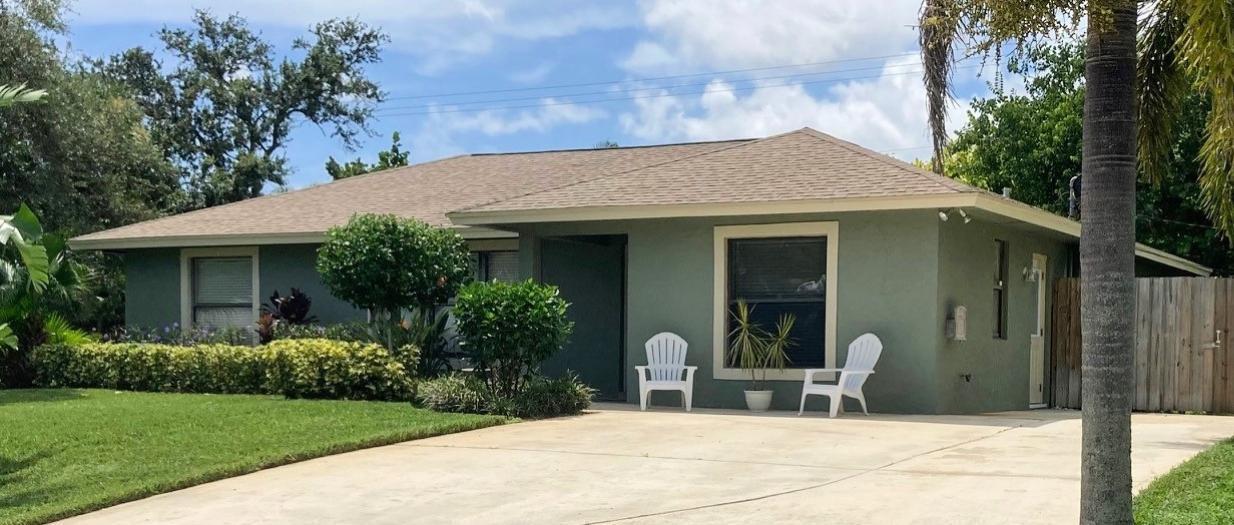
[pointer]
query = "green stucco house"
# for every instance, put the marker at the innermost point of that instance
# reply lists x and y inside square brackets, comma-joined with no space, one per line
[953,279]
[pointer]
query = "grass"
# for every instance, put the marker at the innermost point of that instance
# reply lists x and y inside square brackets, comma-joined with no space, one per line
[65,452]
[1201,490]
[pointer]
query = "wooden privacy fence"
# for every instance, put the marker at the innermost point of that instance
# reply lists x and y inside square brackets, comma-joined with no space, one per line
[1183,359]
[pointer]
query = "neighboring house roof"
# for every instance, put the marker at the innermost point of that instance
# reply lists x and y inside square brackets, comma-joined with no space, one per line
[423,191]
[802,171]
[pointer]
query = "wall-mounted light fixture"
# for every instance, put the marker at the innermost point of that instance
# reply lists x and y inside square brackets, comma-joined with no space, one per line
[945,215]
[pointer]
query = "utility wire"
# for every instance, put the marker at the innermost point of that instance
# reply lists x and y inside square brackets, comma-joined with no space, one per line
[652,88]
[659,95]
[649,79]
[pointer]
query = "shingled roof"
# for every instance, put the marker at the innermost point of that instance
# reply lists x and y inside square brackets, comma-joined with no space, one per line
[799,165]
[424,191]
[802,171]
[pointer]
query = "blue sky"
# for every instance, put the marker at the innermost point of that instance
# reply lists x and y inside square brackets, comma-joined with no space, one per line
[866,86]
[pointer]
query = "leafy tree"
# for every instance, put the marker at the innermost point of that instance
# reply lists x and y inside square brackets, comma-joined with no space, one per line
[81,157]
[390,265]
[223,110]
[1184,43]
[1031,142]
[394,157]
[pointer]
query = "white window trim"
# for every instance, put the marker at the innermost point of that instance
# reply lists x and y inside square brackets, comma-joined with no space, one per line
[831,230]
[186,277]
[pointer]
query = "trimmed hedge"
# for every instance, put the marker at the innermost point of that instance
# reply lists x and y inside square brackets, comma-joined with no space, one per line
[295,368]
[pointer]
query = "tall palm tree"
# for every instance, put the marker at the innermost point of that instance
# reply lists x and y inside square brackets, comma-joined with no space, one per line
[1184,45]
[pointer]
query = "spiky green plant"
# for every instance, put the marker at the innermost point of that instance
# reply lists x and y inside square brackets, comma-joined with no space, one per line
[756,350]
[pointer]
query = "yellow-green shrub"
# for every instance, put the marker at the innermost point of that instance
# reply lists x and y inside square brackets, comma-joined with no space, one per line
[295,368]
[212,368]
[323,368]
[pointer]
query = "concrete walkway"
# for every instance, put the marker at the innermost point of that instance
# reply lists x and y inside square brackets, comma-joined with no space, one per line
[620,465]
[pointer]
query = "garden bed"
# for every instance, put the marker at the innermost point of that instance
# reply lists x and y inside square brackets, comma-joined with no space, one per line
[65,452]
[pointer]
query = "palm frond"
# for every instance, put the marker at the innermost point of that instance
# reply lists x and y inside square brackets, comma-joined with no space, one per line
[1163,86]
[7,338]
[1206,49]
[937,35]
[59,331]
[10,95]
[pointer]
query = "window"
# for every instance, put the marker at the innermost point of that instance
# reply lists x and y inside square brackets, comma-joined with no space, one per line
[778,269]
[1000,289]
[222,292]
[218,287]
[779,276]
[499,265]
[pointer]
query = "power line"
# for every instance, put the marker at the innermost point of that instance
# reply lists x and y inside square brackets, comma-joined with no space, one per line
[661,95]
[652,88]
[647,79]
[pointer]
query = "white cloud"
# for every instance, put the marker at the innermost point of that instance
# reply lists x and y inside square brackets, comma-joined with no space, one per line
[439,33]
[437,136]
[886,114]
[752,33]
[534,75]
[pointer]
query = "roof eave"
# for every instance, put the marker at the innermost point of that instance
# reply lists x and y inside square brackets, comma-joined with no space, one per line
[194,241]
[988,202]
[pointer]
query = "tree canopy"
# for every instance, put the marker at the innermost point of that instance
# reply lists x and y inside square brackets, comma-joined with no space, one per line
[223,108]
[1030,141]
[394,157]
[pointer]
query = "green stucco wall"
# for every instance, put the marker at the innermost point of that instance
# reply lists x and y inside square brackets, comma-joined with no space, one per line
[985,373]
[152,287]
[887,284]
[287,265]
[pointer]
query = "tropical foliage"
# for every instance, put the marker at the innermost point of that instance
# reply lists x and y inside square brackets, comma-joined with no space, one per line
[10,95]
[38,279]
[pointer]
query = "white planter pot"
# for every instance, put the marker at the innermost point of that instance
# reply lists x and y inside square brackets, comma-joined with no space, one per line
[758,400]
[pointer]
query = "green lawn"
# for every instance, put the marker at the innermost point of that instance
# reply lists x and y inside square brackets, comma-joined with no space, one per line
[1196,492]
[64,452]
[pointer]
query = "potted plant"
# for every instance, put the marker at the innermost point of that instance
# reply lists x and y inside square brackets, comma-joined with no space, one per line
[753,349]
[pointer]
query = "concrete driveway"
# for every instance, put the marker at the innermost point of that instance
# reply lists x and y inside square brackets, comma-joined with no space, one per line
[621,465]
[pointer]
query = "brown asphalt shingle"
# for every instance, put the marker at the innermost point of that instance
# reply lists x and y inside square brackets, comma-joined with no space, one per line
[803,164]
[424,191]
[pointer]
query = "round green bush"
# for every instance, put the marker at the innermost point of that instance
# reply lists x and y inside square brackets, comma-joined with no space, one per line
[508,329]
[387,263]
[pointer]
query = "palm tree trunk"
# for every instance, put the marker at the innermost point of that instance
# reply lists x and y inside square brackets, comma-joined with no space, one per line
[1107,261]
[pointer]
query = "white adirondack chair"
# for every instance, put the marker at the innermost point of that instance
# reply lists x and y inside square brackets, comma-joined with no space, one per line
[863,353]
[666,365]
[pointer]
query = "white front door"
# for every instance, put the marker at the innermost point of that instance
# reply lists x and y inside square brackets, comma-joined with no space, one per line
[1036,344]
